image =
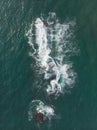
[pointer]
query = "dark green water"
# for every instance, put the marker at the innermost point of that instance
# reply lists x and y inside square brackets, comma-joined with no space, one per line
[17,77]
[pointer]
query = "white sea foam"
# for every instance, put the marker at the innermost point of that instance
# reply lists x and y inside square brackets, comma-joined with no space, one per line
[54,40]
[41,40]
[40,107]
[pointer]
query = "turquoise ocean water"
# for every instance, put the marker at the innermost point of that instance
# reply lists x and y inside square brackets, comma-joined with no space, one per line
[77,109]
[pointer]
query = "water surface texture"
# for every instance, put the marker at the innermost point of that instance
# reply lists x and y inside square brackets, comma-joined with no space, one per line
[70,44]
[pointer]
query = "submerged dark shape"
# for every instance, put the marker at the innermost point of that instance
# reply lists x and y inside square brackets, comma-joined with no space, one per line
[38,116]
[50,24]
[52,71]
[45,23]
[52,77]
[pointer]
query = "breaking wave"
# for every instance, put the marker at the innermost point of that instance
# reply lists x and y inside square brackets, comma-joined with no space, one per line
[52,44]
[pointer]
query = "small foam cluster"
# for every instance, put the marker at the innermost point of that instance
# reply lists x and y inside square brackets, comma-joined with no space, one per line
[40,112]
